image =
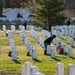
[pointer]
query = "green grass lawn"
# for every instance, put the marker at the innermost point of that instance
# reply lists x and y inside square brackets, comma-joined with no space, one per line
[45,63]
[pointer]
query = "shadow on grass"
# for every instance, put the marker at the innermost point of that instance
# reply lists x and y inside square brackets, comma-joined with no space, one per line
[16,61]
[47,54]
[56,59]
[63,39]
[9,54]
[36,60]
[72,46]
[72,58]
[28,54]
[63,54]
[33,59]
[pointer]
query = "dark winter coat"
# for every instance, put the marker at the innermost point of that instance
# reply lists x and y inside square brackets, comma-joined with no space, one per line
[49,40]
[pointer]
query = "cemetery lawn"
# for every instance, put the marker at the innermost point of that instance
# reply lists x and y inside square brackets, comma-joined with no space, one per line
[45,63]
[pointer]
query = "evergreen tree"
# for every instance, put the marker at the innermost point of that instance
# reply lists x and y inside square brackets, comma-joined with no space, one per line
[48,13]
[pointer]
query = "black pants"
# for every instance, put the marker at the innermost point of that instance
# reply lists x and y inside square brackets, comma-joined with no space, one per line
[45,45]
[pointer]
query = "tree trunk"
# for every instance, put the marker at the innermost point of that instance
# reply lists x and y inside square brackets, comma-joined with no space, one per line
[0,11]
[7,3]
[49,27]
[1,7]
[26,1]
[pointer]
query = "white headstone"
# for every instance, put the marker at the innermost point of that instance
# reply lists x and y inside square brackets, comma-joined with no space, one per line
[13,27]
[71,69]
[34,69]
[61,35]
[72,43]
[60,69]
[72,34]
[23,28]
[28,66]
[38,38]
[68,40]
[20,27]
[4,28]
[38,73]
[43,43]
[14,54]
[53,53]
[54,41]
[48,49]
[64,48]
[30,51]
[40,41]
[70,53]
[35,34]
[23,70]
[34,53]
[26,41]
[69,32]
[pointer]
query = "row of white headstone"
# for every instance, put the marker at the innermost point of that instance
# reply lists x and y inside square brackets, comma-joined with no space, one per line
[64,31]
[21,27]
[35,35]
[31,49]
[13,28]
[12,46]
[30,27]
[65,27]
[22,35]
[28,69]
[58,33]
[39,40]
[56,42]
[46,33]
[50,51]
[60,69]
[33,27]
[70,38]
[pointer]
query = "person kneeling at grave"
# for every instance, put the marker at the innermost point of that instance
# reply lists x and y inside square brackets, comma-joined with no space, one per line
[59,48]
[48,42]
